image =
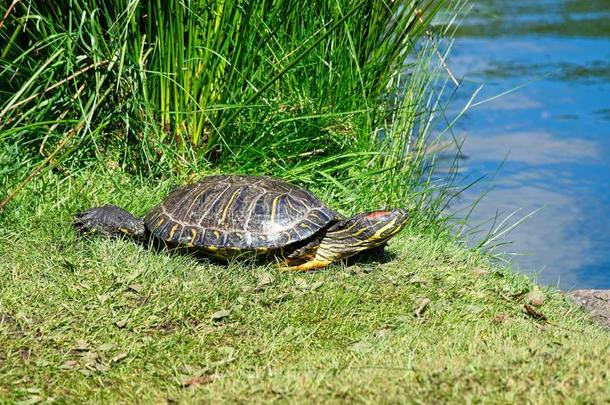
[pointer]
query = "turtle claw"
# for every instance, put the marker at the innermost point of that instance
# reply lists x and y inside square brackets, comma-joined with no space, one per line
[309,265]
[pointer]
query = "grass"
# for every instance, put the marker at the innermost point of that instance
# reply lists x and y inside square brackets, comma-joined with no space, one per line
[339,97]
[174,86]
[101,320]
[319,96]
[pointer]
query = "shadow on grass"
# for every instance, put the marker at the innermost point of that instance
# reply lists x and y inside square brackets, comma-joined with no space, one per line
[375,256]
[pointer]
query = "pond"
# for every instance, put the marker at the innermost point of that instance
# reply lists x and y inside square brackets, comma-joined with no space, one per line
[545,145]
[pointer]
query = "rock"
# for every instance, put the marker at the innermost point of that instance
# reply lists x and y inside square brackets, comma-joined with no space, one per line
[596,302]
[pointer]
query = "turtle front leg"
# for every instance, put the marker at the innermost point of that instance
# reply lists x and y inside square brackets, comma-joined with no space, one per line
[309,265]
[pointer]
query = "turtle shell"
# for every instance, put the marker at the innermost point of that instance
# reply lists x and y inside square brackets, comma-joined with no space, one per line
[238,212]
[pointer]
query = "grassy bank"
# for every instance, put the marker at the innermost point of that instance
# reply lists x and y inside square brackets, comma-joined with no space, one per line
[343,98]
[107,320]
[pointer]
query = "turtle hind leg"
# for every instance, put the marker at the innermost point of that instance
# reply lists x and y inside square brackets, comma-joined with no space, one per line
[308,265]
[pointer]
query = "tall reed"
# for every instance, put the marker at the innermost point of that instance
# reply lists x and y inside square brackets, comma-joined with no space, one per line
[320,92]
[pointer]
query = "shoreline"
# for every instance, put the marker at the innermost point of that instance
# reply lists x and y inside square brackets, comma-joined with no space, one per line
[596,302]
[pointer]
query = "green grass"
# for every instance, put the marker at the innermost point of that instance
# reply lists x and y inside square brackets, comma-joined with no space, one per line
[320,96]
[172,86]
[342,96]
[101,320]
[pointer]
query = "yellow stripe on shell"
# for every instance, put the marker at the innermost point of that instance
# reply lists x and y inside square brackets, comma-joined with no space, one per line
[228,205]
[172,231]
[274,207]
[195,199]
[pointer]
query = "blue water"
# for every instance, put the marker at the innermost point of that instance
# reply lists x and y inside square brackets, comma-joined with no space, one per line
[548,141]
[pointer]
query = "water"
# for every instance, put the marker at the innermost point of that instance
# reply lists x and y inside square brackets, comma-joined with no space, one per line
[554,132]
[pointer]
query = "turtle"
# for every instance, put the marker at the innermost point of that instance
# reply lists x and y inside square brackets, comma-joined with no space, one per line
[229,216]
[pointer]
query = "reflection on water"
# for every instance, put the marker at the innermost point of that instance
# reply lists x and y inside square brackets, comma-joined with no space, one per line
[554,132]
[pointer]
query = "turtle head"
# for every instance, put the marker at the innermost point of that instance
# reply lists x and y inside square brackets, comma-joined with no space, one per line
[363,231]
[109,220]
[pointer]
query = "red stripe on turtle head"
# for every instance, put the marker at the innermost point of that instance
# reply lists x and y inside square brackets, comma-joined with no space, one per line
[377,214]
